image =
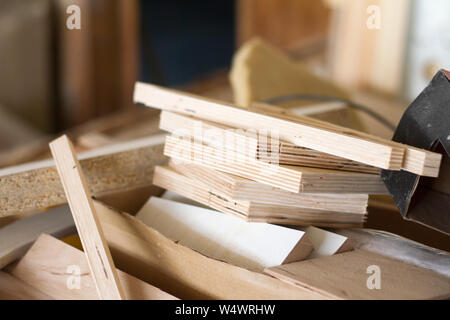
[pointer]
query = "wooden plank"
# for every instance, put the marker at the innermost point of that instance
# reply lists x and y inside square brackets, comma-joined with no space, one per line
[344,276]
[239,188]
[249,245]
[12,288]
[301,131]
[197,191]
[139,250]
[123,166]
[247,142]
[89,229]
[289,178]
[52,266]
[18,236]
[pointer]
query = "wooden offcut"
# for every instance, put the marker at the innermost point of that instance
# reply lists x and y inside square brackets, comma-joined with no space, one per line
[301,131]
[89,229]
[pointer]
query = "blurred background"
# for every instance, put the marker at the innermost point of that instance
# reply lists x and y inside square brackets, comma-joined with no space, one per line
[54,79]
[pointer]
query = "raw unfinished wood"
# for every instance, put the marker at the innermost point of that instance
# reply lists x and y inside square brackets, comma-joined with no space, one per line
[249,245]
[301,131]
[88,226]
[251,144]
[51,266]
[120,167]
[12,288]
[326,243]
[344,276]
[18,236]
[289,178]
[243,189]
[139,250]
[197,191]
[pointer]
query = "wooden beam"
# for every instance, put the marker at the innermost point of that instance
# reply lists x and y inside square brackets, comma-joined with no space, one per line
[89,229]
[289,178]
[50,265]
[301,131]
[120,167]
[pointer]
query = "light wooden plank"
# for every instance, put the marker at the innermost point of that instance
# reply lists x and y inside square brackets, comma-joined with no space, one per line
[248,143]
[18,236]
[120,167]
[52,266]
[301,131]
[344,276]
[326,243]
[89,229]
[249,245]
[197,191]
[289,178]
[12,288]
[243,189]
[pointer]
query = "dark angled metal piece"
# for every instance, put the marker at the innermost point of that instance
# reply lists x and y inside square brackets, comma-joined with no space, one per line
[425,124]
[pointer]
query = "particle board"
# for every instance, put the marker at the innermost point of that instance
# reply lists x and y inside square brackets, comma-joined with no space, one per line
[249,245]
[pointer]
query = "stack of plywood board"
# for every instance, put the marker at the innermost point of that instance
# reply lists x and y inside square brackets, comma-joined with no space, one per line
[264,165]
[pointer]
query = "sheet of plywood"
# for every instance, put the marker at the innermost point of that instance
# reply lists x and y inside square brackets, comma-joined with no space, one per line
[288,178]
[12,288]
[250,245]
[51,265]
[326,243]
[345,276]
[301,131]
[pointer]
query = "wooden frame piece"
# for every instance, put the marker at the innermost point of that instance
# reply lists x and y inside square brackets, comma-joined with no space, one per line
[89,229]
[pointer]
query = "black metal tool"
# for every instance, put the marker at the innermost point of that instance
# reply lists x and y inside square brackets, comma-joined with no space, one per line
[425,124]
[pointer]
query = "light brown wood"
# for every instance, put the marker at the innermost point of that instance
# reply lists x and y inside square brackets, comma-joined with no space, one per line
[344,276]
[239,188]
[247,142]
[120,167]
[289,178]
[301,131]
[52,266]
[252,211]
[12,288]
[89,229]
[187,274]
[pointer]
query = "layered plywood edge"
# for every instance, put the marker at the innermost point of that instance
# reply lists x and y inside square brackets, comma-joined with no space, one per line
[35,186]
[299,130]
[243,189]
[172,180]
[290,178]
[62,272]
[253,145]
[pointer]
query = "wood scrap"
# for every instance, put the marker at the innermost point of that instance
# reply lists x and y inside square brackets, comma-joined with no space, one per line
[253,246]
[247,142]
[139,250]
[57,269]
[119,167]
[326,243]
[197,191]
[88,226]
[12,288]
[345,276]
[243,189]
[289,178]
[18,236]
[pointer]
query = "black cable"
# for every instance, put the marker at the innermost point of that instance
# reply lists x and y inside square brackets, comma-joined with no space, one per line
[293,97]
